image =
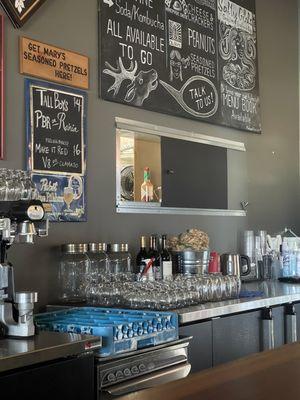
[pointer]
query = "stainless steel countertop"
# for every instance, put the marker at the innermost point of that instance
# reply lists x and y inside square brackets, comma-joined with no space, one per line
[46,346]
[275,293]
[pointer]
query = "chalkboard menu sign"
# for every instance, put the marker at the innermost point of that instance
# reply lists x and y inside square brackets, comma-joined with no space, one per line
[56,151]
[189,58]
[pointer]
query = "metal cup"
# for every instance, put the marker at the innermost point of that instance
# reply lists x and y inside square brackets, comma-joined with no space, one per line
[231,264]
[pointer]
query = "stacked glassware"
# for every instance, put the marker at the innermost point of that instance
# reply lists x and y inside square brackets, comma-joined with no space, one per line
[84,267]
[16,185]
[122,290]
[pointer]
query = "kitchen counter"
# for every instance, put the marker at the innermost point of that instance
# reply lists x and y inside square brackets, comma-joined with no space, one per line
[269,375]
[275,293]
[46,346]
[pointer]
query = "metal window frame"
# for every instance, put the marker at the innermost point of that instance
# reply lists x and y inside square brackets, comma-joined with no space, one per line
[127,126]
[157,130]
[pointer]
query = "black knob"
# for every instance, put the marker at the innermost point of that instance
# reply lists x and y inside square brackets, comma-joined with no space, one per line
[135,370]
[119,374]
[170,171]
[142,367]
[111,377]
[127,372]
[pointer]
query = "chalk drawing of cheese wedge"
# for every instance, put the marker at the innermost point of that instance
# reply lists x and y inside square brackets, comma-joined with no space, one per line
[201,94]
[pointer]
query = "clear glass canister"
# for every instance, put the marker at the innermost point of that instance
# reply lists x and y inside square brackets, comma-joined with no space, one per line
[73,272]
[119,259]
[98,265]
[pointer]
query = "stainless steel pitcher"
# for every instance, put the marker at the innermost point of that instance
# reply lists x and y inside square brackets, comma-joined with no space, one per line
[232,264]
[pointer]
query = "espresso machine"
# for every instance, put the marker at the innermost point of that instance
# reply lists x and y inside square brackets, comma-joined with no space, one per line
[20,222]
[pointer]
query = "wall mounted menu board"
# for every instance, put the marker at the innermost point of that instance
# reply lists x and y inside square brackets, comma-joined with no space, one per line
[189,58]
[52,63]
[56,147]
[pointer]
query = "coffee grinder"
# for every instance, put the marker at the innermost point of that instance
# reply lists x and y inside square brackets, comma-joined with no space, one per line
[20,222]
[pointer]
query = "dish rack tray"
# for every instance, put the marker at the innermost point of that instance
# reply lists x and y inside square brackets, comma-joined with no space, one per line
[121,330]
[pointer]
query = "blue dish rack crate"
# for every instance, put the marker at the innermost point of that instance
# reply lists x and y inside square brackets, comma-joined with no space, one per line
[121,330]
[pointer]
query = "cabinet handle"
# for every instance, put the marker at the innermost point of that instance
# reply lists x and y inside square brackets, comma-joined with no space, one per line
[267,337]
[290,324]
[170,171]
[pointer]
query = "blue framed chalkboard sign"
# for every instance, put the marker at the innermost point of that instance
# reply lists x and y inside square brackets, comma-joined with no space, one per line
[56,147]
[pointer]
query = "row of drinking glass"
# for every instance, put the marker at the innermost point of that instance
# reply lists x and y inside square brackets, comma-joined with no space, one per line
[177,292]
[16,185]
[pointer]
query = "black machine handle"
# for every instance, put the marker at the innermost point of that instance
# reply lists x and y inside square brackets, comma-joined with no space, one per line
[18,210]
[248,264]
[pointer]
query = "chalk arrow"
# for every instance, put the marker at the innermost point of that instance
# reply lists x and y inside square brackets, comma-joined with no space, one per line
[109,2]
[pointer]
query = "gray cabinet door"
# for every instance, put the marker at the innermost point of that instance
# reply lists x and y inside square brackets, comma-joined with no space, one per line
[231,337]
[200,349]
[194,175]
[236,336]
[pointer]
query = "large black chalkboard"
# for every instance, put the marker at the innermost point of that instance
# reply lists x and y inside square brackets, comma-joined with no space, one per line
[189,58]
[57,120]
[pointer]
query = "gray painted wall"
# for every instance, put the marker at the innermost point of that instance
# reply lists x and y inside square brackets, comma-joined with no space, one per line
[272,158]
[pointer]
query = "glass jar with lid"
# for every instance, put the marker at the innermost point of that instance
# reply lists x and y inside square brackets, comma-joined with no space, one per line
[98,266]
[119,258]
[73,272]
